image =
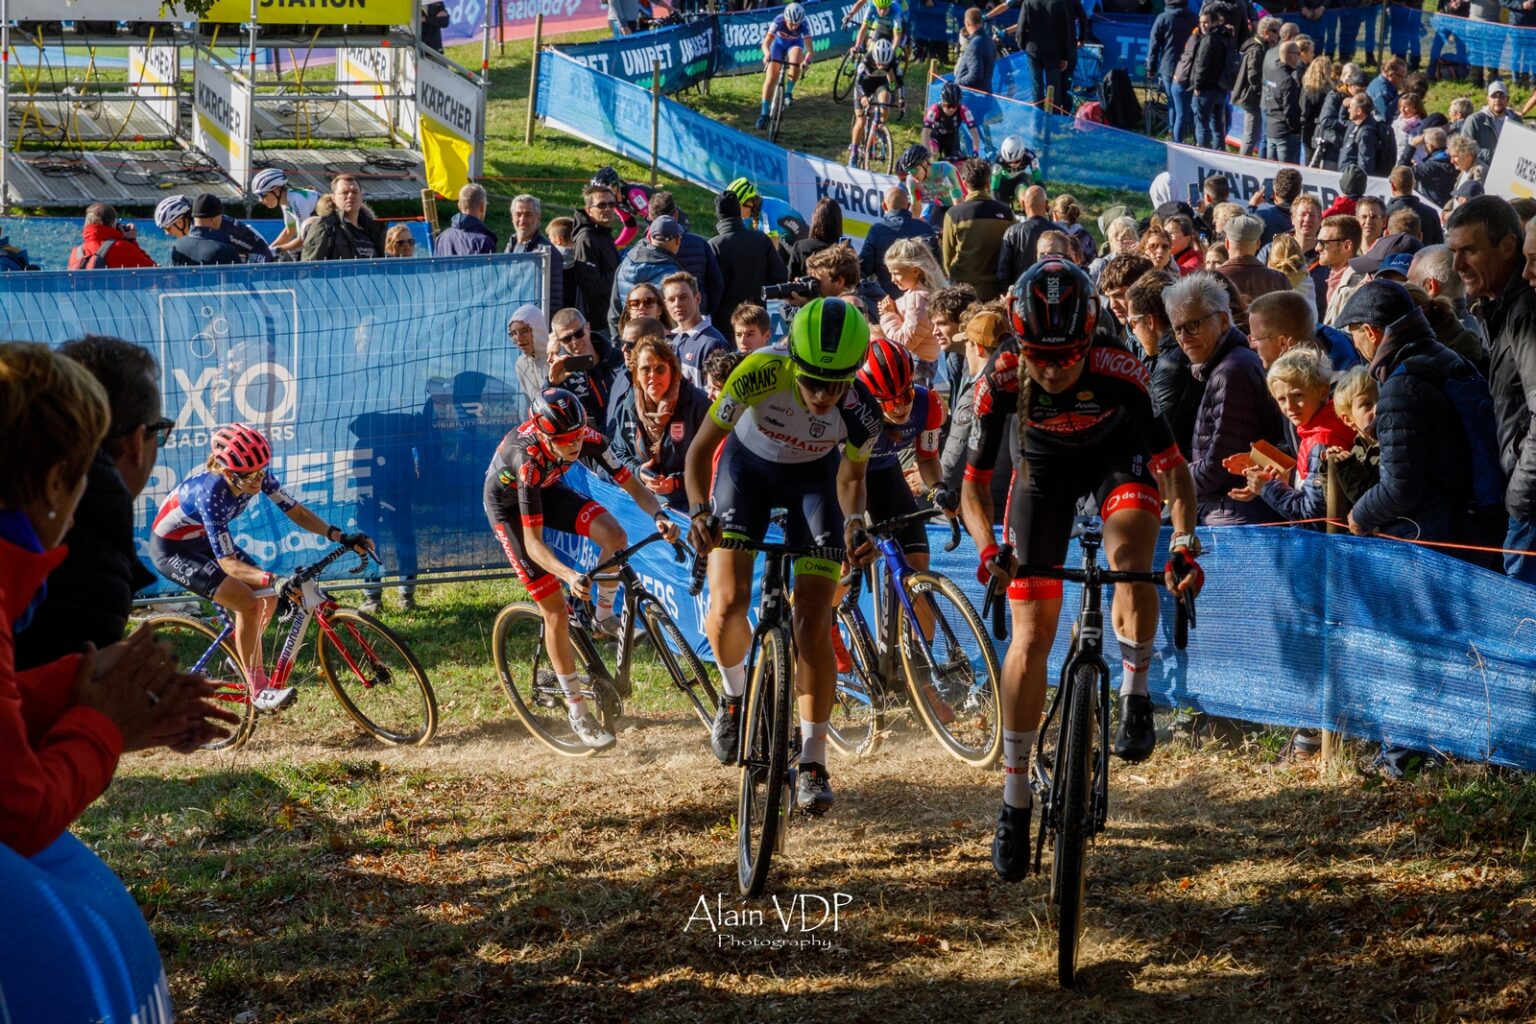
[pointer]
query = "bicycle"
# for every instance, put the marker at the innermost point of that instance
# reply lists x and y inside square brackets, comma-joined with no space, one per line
[847,72]
[875,153]
[770,742]
[955,670]
[371,671]
[1073,794]
[536,696]
[777,106]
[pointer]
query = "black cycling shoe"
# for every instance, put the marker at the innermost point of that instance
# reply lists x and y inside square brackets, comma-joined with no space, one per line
[1010,844]
[725,733]
[813,790]
[1137,735]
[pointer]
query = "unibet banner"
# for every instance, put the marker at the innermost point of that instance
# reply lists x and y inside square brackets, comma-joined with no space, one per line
[741,34]
[219,128]
[1189,166]
[153,72]
[450,115]
[313,12]
[1512,172]
[685,54]
[859,193]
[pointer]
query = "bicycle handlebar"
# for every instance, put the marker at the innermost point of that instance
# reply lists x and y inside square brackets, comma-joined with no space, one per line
[922,515]
[313,570]
[679,553]
[994,602]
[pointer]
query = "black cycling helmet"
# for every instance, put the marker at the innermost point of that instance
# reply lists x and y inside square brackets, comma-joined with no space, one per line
[607,177]
[950,94]
[913,156]
[558,414]
[1054,309]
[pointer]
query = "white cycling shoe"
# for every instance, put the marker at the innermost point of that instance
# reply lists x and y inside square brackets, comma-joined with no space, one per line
[274,698]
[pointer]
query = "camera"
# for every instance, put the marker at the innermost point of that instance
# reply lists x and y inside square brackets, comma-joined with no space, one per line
[801,288]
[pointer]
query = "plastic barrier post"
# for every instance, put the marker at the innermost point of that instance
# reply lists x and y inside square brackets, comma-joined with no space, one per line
[655,114]
[533,77]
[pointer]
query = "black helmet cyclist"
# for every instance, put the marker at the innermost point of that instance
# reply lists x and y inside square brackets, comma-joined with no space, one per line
[950,95]
[558,416]
[1054,310]
[607,177]
[913,156]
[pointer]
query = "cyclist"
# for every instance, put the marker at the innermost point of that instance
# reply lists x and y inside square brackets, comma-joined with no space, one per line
[878,82]
[883,19]
[941,125]
[776,218]
[173,215]
[270,186]
[933,185]
[771,441]
[525,496]
[1015,169]
[191,543]
[787,42]
[634,205]
[1086,427]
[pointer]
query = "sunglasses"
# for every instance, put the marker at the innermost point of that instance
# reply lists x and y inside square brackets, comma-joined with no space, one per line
[161,429]
[900,401]
[823,386]
[1061,358]
[253,477]
[572,336]
[604,206]
[641,303]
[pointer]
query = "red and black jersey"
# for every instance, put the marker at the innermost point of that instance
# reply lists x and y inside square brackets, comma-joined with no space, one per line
[524,467]
[1113,390]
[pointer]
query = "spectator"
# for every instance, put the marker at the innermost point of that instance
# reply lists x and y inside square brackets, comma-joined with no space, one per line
[531,336]
[1175,391]
[201,245]
[895,223]
[978,54]
[623,17]
[466,234]
[1441,317]
[1276,214]
[1485,126]
[1404,221]
[635,330]
[1282,106]
[348,232]
[1306,224]
[836,270]
[694,338]
[434,18]
[527,211]
[973,233]
[208,213]
[1384,88]
[1371,212]
[1359,469]
[1285,256]
[906,320]
[644,299]
[1486,241]
[1299,382]
[1464,157]
[581,284]
[1045,33]
[1317,84]
[748,259]
[14,258]
[657,420]
[1172,27]
[752,326]
[1433,269]
[1158,247]
[104,245]
[1388,245]
[1363,136]
[947,311]
[1251,88]
[826,229]
[571,338]
[1119,274]
[1456,115]
[646,262]
[399,243]
[1122,240]
[1235,410]
[1435,175]
[985,327]
[1281,321]
[718,370]
[1408,129]
[1185,247]
[695,254]
[593,237]
[1401,181]
[1214,191]
[1352,185]
[1338,244]
[1206,69]
[1066,213]
[1215,256]
[1018,250]
[1251,277]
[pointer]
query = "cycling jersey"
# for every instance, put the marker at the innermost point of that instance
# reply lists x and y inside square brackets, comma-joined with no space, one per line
[203,506]
[786,38]
[886,25]
[940,191]
[300,207]
[942,123]
[921,428]
[761,406]
[1006,184]
[777,215]
[633,211]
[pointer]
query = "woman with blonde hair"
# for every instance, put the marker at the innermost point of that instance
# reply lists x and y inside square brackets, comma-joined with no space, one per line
[906,321]
[1316,83]
[1066,212]
[1285,256]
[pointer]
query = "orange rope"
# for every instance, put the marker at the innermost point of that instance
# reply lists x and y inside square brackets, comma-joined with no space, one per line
[1404,540]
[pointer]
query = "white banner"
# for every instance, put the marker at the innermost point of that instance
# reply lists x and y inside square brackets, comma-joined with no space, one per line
[377,72]
[92,10]
[1189,166]
[454,104]
[219,125]
[1512,171]
[153,72]
[858,192]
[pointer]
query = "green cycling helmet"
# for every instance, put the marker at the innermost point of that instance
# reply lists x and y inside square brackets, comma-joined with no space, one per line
[742,189]
[828,339]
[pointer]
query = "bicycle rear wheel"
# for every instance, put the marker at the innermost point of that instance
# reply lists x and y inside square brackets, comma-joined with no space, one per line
[1074,824]
[517,646]
[377,679]
[842,82]
[953,674]
[681,663]
[192,648]
[762,812]
[858,706]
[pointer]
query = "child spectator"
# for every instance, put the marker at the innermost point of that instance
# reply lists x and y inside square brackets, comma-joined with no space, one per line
[1299,383]
[1359,466]
[1215,256]
[718,367]
[753,327]
[1066,212]
[906,320]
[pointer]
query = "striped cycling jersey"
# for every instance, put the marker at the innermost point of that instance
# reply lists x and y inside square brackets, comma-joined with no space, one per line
[204,505]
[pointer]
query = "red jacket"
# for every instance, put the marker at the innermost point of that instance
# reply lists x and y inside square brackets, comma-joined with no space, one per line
[124,253]
[1190,260]
[1341,204]
[55,758]
[1324,428]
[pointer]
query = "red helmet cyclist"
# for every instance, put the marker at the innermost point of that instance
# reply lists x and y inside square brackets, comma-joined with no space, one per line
[1054,310]
[241,449]
[558,416]
[887,373]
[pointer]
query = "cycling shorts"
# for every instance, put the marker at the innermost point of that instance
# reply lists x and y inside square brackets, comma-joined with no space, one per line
[889,496]
[947,146]
[778,50]
[564,510]
[748,488]
[192,563]
[1045,497]
[870,85]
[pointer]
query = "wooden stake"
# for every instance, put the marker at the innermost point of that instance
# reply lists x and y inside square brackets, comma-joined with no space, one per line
[533,77]
[655,114]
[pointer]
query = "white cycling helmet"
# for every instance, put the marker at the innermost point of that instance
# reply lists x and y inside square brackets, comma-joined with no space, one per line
[1013,150]
[882,53]
[171,209]
[794,14]
[268,179]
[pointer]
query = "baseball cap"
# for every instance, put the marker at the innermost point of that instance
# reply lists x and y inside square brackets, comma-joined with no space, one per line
[1497,86]
[665,228]
[1397,263]
[1385,247]
[207,205]
[1378,303]
[986,329]
[1468,190]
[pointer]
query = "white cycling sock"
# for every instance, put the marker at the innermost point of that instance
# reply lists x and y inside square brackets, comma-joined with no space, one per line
[605,595]
[1136,656]
[575,704]
[734,677]
[1016,750]
[813,742]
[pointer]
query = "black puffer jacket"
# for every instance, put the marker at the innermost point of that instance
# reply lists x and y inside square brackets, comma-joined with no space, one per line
[1331,127]
[1235,411]
[1209,61]
[1176,393]
[1426,477]
[594,243]
[1248,91]
[1511,320]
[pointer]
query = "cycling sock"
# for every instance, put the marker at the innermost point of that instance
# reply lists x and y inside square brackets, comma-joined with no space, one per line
[1016,750]
[764,110]
[1136,657]
[575,704]
[734,678]
[605,594]
[258,680]
[789,87]
[813,742]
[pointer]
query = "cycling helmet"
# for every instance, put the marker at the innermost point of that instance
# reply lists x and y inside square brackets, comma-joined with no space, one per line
[743,190]
[827,339]
[1013,150]
[607,177]
[882,5]
[887,372]
[557,414]
[882,53]
[794,14]
[913,156]
[268,179]
[171,210]
[1054,310]
[950,94]
[241,449]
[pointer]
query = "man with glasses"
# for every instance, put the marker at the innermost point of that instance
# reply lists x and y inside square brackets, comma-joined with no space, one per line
[583,363]
[91,593]
[347,233]
[1086,427]
[1337,243]
[592,238]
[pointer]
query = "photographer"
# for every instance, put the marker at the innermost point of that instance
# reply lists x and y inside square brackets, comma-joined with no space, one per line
[834,273]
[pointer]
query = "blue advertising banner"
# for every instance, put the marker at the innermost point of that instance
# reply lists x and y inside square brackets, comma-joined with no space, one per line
[1485,44]
[384,386]
[685,53]
[741,34]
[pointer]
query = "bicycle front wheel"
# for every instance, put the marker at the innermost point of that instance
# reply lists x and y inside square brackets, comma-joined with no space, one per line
[1074,824]
[763,809]
[858,706]
[517,644]
[776,112]
[877,154]
[842,82]
[952,674]
[376,678]
[195,647]
[682,664]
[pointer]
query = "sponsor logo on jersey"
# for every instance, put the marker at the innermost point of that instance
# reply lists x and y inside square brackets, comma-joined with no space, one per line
[818,428]
[529,474]
[755,382]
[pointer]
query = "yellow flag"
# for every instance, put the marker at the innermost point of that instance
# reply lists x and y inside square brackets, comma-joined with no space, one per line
[447,157]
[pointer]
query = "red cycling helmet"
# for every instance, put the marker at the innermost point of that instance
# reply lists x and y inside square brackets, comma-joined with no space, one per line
[887,371]
[558,415]
[1054,309]
[241,449]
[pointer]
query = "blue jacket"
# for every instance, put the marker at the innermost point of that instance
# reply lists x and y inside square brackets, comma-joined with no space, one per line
[1384,95]
[974,68]
[1426,478]
[893,225]
[699,260]
[644,263]
[1235,411]
[464,236]
[1308,502]
[1169,33]
[1339,346]
[1277,221]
